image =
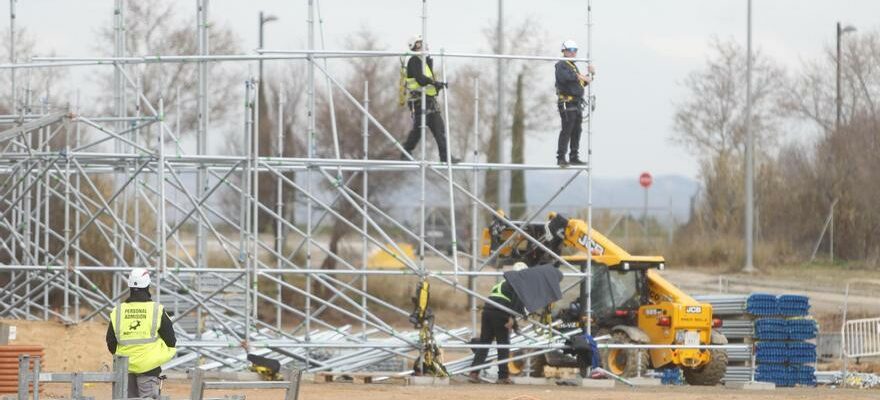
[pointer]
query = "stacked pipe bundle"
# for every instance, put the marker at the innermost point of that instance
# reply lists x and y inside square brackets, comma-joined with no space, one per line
[781,354]
[793,305]
[795,328]
[777,326]
[762,304]
[770,329]
[737,327]
[801,328]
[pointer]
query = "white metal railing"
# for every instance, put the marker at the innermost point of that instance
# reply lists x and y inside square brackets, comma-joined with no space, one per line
[861,337]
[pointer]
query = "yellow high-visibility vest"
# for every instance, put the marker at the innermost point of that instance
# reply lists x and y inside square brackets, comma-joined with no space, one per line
[413,85]
[136,326]
[496,292]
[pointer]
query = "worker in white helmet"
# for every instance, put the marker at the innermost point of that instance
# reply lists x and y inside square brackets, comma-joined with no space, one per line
[570,83]
[420,78]
[141,329]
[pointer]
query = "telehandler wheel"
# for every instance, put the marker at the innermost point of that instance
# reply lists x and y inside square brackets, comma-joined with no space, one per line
[624,362]
[518,367]
[709,374]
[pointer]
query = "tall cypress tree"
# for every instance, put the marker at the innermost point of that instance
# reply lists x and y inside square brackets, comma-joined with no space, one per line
[517,153]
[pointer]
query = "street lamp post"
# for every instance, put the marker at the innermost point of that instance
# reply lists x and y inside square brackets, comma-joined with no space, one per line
[750,152]
[838,100]
[263,21]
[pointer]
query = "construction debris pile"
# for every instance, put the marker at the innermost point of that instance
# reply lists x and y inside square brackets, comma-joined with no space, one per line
[853,379]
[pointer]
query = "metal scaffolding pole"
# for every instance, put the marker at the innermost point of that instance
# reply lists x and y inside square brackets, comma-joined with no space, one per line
[472,283]
[12,88]
[279,203]
[103,225]
[201,139]
[587,289]
[366,190]
[310,144]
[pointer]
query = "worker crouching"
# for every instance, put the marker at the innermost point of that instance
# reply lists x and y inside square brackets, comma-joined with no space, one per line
[496,324]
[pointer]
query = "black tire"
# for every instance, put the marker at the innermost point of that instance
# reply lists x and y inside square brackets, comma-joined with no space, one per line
[709,374]
[624,362]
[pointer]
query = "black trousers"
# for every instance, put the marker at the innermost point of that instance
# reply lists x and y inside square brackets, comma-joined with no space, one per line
[570,135]
[433,121]
[493,328]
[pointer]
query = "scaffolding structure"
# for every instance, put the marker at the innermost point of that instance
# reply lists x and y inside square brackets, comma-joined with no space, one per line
[72,183]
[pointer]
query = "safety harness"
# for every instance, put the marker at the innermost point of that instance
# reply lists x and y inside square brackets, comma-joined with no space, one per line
[564,98]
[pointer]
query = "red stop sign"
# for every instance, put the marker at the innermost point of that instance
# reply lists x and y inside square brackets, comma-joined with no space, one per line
[645,180]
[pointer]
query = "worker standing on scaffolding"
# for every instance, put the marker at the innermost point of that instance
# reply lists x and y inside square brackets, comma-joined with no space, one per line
[420,78]
[141,330]
[496,324]
[570,83]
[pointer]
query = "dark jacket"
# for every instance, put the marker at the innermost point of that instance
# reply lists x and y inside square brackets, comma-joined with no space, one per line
[514,303]
[414,70]
[567,82]
[166,328]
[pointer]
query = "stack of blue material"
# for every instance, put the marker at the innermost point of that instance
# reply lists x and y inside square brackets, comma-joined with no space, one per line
[775,373]
[781,354]
[762,304]
[671,376]
[803,374]
[801,329]
[771,329]
[771,353]
[801,352]
[785,329]
[793,305]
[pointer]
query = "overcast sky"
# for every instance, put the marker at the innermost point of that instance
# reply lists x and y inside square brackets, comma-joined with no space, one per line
[643,49]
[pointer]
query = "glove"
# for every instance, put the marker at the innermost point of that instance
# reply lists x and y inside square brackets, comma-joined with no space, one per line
[440,85]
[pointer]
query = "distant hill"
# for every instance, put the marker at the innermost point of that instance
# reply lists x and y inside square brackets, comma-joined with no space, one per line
[670,195]
[667,193]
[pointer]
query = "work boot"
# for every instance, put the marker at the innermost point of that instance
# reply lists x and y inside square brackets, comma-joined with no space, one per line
[561,162]
[504,381]
[474,377]
[576,162]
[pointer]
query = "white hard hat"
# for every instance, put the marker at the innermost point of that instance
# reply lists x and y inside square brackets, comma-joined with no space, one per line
[519,266]
[139,278]
[569,44]
[413,40]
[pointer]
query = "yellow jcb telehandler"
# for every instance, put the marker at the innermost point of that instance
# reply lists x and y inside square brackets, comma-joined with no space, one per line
[631,301]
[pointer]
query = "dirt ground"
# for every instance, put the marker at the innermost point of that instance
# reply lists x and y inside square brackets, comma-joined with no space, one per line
[79,347]
[344,391]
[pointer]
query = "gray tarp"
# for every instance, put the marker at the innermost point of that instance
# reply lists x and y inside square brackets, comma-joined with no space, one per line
[537,286]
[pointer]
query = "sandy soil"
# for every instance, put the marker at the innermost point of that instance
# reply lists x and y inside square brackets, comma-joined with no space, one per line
[79,347]
[342,391]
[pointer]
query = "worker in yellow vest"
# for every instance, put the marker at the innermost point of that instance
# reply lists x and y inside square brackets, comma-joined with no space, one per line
[570,83]
[141,329]
[496,325]
[421,78]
